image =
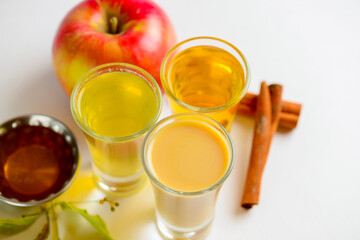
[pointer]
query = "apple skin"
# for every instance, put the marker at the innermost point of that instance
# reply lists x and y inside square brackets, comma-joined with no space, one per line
[83,42]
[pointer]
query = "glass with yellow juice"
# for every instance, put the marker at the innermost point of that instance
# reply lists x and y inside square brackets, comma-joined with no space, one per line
[205,75]
[187,158]
[115,105]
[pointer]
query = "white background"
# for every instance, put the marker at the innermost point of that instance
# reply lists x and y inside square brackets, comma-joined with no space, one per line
[311,184]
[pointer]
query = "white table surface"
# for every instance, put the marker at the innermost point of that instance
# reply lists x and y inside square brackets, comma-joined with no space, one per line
[311,184]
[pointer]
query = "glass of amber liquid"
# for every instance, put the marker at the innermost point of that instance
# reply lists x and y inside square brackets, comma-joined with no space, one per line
[115,105]
[205,75]
[187,157]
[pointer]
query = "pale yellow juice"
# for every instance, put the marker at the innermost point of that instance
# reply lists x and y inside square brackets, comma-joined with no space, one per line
[187,156]
[115,105]
[206,77]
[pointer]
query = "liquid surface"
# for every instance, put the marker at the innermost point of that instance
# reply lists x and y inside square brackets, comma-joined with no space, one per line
[205,77]
[32,176]
[188,156]
[117,104]
[34,162]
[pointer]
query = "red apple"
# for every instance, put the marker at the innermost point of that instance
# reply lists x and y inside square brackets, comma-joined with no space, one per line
[102,31]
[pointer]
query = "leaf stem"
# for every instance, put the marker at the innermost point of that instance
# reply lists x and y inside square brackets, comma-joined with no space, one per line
[54,224]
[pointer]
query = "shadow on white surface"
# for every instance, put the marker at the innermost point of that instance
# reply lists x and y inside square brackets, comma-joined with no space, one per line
[135,217]
[241,133]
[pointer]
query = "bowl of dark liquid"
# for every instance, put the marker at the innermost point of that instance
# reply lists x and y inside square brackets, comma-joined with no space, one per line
[39,157]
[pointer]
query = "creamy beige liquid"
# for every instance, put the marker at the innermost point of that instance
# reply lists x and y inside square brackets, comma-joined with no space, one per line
[188,156]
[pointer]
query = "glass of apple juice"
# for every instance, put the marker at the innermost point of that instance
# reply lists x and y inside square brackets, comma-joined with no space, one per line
[205,75]
[115,105]
[187,157]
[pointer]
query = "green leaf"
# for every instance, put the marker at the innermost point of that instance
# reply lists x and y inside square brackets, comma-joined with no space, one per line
[95,220]
[14,226]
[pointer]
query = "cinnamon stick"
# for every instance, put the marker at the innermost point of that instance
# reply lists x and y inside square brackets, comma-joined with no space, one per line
[287,122]
[260,147]
[289,116]
[289,107]
[276,107]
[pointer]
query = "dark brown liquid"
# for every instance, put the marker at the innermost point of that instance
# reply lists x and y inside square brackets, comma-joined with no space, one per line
[34,162]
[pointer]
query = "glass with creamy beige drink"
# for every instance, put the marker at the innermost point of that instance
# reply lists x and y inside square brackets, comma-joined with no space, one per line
[187,158]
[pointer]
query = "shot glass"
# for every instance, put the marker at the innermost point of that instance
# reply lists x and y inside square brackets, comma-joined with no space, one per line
[187,158]
[205,75]
[115,105]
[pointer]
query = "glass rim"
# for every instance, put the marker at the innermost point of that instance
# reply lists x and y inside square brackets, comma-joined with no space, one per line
[144,75]
[170,94]
[218,127]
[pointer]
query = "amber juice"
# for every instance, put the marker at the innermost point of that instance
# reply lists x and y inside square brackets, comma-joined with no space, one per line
[206,79]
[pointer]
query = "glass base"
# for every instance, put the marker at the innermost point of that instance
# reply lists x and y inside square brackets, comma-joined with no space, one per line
[119,187]
[170,232]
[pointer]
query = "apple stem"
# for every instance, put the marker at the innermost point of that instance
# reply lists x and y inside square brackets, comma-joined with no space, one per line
[114,22]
